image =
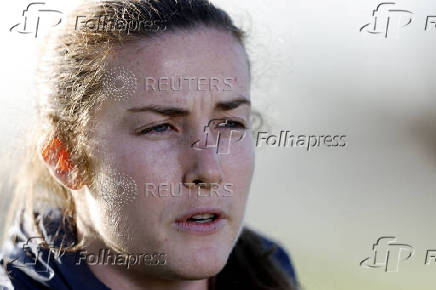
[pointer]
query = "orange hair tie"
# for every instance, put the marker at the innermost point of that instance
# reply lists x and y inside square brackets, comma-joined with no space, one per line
[56,152]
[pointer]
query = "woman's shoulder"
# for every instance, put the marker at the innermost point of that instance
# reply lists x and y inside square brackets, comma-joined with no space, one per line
[258,262]
[30,260]
[280,255]
[276,251]
[255,260]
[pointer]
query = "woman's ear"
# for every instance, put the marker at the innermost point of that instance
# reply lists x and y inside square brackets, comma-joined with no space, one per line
[60,165]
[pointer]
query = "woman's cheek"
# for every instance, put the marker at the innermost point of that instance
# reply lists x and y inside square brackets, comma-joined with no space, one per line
[240,162]
[239,168]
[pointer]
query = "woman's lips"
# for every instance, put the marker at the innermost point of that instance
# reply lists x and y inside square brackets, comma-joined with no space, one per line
[202,221]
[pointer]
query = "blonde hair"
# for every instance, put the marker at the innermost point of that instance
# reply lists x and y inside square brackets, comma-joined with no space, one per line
[72,89]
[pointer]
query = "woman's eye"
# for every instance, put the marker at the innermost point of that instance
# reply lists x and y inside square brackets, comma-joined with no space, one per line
[231,124]
[159,129]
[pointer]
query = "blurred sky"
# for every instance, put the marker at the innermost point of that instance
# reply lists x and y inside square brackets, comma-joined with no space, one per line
[315,73]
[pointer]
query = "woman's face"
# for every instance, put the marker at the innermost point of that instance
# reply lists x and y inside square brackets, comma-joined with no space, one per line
[161,185]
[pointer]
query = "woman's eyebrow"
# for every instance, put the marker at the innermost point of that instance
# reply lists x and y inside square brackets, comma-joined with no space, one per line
[232,104]
[180,112]
[163,110]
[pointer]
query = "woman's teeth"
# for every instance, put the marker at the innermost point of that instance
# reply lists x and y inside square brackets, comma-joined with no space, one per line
[202,218]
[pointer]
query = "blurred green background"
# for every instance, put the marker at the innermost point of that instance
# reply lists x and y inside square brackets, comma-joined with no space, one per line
[315,73]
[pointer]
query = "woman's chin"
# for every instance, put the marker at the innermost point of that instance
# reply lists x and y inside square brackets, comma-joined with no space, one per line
[199,263]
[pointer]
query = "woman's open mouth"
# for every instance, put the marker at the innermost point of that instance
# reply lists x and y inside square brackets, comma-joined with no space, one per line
[203,218]
[201,221]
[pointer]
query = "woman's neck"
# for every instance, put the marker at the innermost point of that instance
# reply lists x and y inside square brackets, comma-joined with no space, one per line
[119,280]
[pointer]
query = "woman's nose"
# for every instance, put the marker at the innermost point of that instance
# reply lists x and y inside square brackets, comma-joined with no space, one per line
[203,166]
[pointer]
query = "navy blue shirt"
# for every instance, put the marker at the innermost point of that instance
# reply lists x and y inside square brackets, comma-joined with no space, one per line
[30,266]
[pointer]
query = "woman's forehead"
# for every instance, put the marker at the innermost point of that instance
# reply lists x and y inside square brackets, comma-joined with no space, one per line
[179,69]
[202,52]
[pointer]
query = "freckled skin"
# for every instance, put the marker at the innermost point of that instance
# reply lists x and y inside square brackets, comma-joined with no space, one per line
[145,224]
